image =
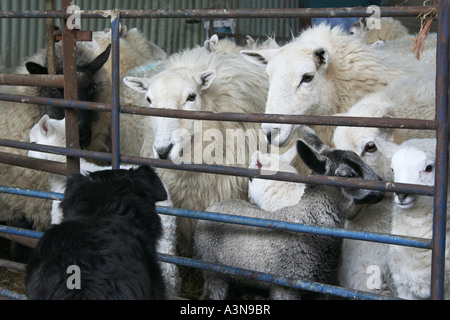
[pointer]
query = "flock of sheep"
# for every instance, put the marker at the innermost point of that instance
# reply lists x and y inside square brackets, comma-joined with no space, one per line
[323,71]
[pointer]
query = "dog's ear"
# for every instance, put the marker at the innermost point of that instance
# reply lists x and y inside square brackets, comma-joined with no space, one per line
[149,184]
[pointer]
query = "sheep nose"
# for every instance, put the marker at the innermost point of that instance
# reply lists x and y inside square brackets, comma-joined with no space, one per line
[163,153]
[401,196]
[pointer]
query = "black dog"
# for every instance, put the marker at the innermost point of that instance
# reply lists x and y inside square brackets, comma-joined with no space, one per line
[105,248]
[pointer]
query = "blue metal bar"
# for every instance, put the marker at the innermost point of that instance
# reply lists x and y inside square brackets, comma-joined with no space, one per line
[441,179]
[115,121]
[259,276]
[31,193]
[12,295]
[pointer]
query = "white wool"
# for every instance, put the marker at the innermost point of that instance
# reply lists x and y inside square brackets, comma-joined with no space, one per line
[413,162]
[269,194]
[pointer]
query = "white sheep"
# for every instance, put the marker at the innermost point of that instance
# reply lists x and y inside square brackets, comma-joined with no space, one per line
[287,254]
[323,71]
[225,45]
[270,194]
[384,29]
[413,162]
[403,98]
[49,131]
[200,80]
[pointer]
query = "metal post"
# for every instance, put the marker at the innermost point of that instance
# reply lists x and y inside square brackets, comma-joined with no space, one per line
[115,112]
[70,90]
[440,197]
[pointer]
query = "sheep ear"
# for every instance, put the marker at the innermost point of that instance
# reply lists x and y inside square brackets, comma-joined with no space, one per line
[386,147]
[314,160]
[205,78]
[211,42]
[98,62]
[34,68]
[260,57]
[45,126]
[321,57]
[138,84]
[309,136]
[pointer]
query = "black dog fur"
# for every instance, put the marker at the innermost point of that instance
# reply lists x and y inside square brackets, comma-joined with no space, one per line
[110,231]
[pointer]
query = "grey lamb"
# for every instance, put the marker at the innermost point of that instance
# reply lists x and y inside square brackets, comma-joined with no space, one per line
[288,254]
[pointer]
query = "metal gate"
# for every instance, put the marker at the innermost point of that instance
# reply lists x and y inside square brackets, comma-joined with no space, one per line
[437,243]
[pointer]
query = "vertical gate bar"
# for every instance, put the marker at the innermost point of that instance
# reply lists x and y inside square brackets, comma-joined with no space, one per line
[70,90]
[440,200]
[115,112]
[50,26]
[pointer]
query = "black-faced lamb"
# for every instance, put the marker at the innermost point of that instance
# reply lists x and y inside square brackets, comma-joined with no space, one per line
[287,254]
[109,232]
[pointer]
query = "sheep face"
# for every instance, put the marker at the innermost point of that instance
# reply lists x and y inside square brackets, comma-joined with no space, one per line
[296,83]
[86,92]
[412,162]
[49,132]
[178,90]
[341,163]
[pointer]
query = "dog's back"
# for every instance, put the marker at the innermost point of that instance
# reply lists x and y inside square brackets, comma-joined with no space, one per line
[107,239]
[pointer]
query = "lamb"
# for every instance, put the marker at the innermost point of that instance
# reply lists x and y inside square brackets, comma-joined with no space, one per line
[323,71]
[196,79]
[413,162]
[49,131]
[416,101]
[271,195]
[287,254]
[109,234]
[16,120]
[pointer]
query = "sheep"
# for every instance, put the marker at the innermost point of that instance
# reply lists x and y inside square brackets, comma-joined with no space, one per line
[107,239]
[286,254]
[403,98]
[413,162]
[49,131]
[226,45]
[388,29]
[323,71]
[16,120]
[197,79]
[269,194]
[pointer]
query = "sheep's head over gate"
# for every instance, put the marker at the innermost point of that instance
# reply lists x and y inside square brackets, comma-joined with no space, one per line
[87,90]
[179,89]
[297,83]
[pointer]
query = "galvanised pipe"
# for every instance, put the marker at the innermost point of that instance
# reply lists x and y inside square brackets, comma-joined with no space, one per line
[12,295]
[115,113]
[226,13]
[260,276]
[229,170]
[441,178]
[228,116]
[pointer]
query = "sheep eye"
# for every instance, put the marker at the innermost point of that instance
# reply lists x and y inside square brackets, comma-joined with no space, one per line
[307,78]
[370,147]
[148,100]
[191,97]
[429,168]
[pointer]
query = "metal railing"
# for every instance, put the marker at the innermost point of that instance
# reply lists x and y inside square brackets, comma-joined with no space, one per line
[73,153]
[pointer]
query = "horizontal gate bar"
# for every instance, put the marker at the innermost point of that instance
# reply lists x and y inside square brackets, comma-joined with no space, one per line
[228,116]
[38,80]
[230,170]
[405,11]
[254,275]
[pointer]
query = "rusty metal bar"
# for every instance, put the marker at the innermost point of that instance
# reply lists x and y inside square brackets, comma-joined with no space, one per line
[70,90]
[228,116]
[441,180]
[400,11]
[10,264]
[33,163]
[115,112]
[36,80]
[50,39]
[227,170]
